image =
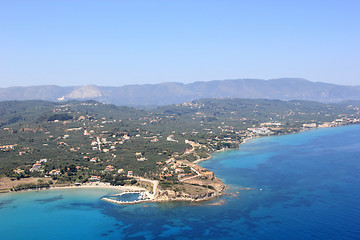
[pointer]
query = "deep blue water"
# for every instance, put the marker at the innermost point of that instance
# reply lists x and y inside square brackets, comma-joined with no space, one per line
[310,190]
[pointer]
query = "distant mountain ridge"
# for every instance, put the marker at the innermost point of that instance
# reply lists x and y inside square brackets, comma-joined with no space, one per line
[173,93]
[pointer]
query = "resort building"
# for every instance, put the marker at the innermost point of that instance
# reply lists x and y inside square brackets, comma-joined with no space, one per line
[36,167]
[95,178]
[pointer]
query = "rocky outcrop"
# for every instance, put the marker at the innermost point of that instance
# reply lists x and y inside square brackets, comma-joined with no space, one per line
[172,195]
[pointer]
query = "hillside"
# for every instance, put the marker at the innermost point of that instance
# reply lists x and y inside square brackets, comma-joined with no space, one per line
[75,132]
[85,141]
[174,93]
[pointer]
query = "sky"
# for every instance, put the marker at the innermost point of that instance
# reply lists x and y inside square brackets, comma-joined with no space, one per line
[116,43]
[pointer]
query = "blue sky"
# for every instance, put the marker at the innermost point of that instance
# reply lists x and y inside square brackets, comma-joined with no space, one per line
[114,43]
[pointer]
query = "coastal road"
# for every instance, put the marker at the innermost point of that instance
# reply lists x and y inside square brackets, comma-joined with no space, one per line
[193,169]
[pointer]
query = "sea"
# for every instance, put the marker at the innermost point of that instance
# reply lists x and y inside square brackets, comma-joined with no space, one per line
[296,186]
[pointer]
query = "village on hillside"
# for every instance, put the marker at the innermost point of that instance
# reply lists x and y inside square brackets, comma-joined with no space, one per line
[89,142]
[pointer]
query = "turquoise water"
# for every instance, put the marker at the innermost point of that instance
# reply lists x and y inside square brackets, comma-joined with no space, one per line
[303,186]
[128,197]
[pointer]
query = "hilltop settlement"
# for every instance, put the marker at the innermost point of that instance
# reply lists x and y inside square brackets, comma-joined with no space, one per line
[57,144]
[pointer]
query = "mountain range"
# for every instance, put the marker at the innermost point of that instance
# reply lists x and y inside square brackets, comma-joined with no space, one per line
[174,93]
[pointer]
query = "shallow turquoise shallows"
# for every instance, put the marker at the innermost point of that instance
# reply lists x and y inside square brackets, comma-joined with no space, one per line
[301,186]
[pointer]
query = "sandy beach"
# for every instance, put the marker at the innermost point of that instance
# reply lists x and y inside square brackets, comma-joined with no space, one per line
[102,185]
[6,184]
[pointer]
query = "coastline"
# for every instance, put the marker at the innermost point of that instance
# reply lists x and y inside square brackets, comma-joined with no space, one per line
[155,197]
[125,189]
[86,185]
[70,206]
[178,199]
[225,149]
[260,136]
[101,185]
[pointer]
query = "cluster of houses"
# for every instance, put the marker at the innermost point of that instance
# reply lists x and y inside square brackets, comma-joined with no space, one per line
[37,166]
[110,169]
[270,124]
[98,143]
[309,125]
[104,143]
[5,148]
[172,168]
[260,130]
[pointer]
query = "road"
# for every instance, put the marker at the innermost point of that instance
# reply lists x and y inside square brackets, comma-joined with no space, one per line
[193,169]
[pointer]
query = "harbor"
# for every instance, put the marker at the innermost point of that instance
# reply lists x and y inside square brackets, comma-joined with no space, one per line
[132,197]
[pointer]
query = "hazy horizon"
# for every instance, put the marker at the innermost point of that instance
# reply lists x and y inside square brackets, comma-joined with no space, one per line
[98,85]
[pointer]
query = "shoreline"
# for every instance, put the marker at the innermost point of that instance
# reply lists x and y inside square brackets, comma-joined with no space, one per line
[132,189]
[126,189]
[160,200]
[226,149]
[101,185]
[260,136]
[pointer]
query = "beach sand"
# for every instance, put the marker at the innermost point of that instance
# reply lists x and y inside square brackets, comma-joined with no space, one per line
[6,184]
[103,185]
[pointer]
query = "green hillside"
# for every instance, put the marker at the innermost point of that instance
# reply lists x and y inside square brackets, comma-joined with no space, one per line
[81,138]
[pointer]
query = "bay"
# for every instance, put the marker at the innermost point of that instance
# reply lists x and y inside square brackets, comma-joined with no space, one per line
[297,186]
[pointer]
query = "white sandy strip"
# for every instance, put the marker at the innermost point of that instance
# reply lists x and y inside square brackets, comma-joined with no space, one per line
[102,185]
